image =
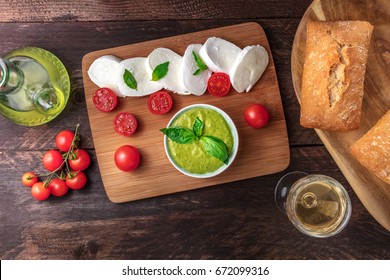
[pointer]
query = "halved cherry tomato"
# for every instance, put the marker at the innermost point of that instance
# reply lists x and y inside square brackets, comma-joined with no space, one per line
[125,124]
[127,158]
[58,187]
[79,160]
[40,191]
[64,140]
[256,115]
[29,179]
[76,181]
[219,84]
[52,160]
[160,102]
[105,99]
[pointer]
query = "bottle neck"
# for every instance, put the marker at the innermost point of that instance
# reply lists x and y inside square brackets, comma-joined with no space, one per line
[11,77]
[23,90]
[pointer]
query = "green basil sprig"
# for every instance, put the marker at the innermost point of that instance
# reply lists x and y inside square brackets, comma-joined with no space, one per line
[214,146]
[199,62]
[129,80]
[160,71]
[180,135]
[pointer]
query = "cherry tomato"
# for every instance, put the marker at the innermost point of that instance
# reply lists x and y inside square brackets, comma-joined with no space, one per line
[79,160]
[58,187]
[64,140]
[127,158]
[39,191]
[256,115]
[219,84]
[76,180]
[52,160]
[105,100]
[125,124]
[29,179]
[160,103]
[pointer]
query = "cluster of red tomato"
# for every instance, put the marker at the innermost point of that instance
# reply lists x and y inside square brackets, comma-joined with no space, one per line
[105,100]
[127,157]
[256,115]
[65,167]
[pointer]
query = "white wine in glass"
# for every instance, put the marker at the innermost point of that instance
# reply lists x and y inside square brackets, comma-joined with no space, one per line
[317,205]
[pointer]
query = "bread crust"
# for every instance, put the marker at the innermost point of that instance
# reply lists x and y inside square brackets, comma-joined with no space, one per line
[333,74]
[373,149]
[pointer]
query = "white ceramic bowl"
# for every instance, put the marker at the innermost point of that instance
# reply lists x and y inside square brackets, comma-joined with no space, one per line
[233,130]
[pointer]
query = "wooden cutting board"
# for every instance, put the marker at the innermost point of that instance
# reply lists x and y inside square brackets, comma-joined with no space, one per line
[373,193]
[261,151]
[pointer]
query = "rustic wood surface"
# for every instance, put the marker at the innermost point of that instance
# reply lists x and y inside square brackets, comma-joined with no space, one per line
[373,192]
[236,220]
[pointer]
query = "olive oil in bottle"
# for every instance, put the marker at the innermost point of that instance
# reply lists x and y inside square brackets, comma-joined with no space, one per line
[34,86]
[34,90]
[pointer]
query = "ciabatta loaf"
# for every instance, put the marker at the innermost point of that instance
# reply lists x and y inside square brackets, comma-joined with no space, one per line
[333,74]
[373,149]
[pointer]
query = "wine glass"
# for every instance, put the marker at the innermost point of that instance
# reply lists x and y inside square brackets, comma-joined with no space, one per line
[317,205]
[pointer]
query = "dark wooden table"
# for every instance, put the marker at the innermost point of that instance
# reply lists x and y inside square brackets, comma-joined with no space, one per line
[238,220]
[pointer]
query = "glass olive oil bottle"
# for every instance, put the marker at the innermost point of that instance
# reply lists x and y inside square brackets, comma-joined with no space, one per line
[34,86]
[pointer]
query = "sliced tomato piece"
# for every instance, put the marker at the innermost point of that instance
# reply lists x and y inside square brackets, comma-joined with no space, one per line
[125,124]
[219,84]
[105,100]
[160,102]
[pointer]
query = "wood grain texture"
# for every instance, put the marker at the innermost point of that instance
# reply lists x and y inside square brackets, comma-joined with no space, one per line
[92,10]
[374,193]
[259,153]
[230,221]
[236,220]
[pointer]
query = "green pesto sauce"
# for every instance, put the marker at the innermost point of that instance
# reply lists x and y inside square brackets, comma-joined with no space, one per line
[192,157]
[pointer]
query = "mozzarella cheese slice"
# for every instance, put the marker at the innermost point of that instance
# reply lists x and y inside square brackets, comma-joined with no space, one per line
[136,66]
[173,80]
[196,84]
[248,68]
[103,72]
[219,54]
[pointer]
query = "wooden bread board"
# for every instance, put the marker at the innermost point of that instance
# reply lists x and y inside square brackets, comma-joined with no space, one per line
[373,193]
[261,151]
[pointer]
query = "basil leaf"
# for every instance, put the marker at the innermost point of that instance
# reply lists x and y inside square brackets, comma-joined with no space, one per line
[198,127]
[129,79]
[199,62]
[180,135]
[160,71]
[197,72]
[215,147]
